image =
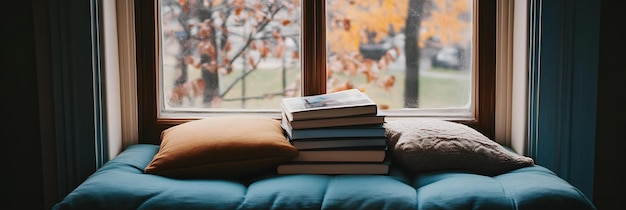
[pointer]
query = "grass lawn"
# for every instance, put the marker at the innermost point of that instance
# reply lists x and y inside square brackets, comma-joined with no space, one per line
[438,88]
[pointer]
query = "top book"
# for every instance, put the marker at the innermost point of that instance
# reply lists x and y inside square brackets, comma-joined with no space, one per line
[338,104]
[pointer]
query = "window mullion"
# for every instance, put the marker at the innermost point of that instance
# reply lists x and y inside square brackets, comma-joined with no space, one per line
[313,47]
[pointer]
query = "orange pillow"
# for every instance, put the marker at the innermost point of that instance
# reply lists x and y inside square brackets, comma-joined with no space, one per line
[221,147]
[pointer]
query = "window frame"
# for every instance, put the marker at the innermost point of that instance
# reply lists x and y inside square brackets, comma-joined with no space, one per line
[150,125]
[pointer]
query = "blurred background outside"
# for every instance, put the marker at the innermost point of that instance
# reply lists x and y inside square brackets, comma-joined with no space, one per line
[245,54]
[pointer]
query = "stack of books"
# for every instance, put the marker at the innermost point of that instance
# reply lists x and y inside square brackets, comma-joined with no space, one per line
[335,133]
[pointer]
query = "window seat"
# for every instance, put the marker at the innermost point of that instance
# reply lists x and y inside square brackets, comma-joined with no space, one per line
[122,184]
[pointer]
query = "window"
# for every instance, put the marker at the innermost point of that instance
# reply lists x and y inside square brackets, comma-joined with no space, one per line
[318,54]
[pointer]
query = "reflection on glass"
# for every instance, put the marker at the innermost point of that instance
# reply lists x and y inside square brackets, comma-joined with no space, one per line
[229,54]
[402,53]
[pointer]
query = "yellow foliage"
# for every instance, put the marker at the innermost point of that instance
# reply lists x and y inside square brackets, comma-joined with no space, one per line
[446,22]
[372,15]
[349,19]
[343,41]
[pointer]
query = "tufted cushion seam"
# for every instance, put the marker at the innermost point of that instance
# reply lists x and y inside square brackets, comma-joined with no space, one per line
[323,204]
[244,197]
[507,194]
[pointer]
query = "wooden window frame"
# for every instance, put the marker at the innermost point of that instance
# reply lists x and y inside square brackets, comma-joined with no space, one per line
[150,125]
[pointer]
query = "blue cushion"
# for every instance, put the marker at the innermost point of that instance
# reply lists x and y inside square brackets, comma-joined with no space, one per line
[329,192]
[121,184]
[527,188]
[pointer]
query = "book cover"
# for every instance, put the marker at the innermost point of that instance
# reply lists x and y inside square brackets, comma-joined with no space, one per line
[375,130]
[353,155]
[347,142]
[338,121]
[334,168]
[338,104]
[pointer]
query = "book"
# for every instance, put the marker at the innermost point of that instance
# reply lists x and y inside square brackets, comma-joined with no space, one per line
[374,130]
[352,155]
[337,104]
[346,142]
[333,168]
[338,121]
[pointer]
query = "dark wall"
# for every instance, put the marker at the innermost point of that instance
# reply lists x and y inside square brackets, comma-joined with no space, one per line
[21,160]
[609,182]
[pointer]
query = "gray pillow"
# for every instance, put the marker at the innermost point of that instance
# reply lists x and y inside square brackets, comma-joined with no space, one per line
[430,145]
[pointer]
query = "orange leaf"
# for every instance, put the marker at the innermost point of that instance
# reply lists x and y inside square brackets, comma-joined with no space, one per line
[358,57]
[227,46]
[279,51]
[346,24]
[388,57]
[212,51]
[229,69]
[382,64]
[351,68]
[259,15]
[295,55]
[343,86]
[368,64]
[264,51]
[286,22]
[276,35]
[370,76]
[184,4]
[329,72]
[238,10]
[388,82]
[188,60]
[205,31]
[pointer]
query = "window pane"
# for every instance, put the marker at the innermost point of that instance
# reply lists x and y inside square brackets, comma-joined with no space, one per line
[402,53]
[230,54]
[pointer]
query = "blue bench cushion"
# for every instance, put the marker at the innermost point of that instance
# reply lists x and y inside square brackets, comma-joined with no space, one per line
[122,184]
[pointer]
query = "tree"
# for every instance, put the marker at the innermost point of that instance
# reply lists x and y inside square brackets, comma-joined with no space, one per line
[360,37]
[367,26]
[412,51]
[211,35]
[449,21]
